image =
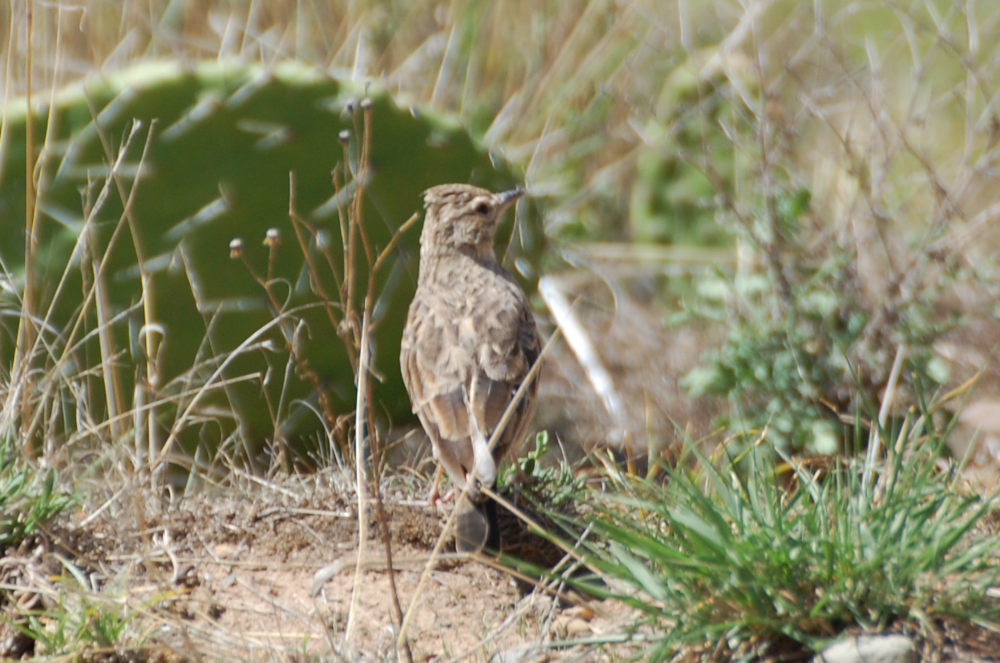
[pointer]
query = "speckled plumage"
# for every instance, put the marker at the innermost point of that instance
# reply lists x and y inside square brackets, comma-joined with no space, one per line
[469,342]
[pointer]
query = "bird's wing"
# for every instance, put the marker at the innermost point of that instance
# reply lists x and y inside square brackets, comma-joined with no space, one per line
[509,349]
[434,367]
[462,372]
[432,364]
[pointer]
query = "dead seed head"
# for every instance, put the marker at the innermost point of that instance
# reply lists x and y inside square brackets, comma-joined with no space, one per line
[272,238]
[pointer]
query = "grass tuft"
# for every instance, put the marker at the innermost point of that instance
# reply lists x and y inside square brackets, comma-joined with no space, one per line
[28,498]
[731,548]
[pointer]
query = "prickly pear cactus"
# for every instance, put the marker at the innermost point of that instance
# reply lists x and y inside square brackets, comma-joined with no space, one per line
[203,154]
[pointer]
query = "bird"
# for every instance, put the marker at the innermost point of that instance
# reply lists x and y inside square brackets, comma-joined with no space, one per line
[469,342]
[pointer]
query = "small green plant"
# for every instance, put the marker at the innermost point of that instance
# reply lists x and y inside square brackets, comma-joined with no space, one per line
[551,484]
[76,618]
[28,499]
[781,550]
[804,344]
[78,624]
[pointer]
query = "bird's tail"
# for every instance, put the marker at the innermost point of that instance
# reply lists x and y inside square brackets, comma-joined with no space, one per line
[477,526]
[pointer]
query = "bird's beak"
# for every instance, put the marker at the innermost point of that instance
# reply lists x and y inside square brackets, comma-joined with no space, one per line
[508,197]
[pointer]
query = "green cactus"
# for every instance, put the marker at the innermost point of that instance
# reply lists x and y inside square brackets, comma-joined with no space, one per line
[219,142]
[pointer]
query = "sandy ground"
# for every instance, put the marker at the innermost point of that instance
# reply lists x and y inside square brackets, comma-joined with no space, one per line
[236,578]
[270,577]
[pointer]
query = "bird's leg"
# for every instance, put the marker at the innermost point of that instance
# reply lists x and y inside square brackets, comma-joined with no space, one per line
[435,493]
[435,498]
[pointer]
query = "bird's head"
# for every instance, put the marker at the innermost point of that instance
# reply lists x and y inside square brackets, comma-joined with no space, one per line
[462,218]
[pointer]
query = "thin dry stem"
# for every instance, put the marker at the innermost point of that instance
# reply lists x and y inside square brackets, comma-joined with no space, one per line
[360,482]
[26,330]
[874,446]
[298,223]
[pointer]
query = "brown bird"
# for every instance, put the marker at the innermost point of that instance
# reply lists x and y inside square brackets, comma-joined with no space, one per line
[468,344]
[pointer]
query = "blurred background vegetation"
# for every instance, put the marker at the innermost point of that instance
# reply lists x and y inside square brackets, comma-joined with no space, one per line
[766,199]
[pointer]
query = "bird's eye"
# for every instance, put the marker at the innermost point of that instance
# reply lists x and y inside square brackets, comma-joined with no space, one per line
[482,208]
